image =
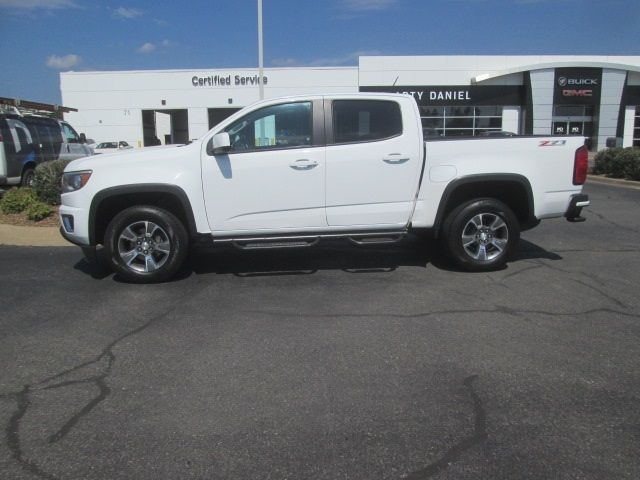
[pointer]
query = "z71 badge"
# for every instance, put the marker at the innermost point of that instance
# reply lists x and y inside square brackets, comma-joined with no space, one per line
[552,143]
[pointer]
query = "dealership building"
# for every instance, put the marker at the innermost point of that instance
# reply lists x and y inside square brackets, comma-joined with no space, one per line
[594,96]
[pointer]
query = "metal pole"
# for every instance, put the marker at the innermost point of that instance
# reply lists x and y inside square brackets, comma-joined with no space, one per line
[260,51]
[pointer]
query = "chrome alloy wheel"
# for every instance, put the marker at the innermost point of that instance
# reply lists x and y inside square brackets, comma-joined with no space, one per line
[144,246]
[485,236]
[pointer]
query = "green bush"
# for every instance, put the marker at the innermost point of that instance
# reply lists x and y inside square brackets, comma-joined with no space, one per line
[47,179]
[38,211]
[17,200]
[618,163]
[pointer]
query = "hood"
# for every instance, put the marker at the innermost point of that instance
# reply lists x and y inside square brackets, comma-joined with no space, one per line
[129,157]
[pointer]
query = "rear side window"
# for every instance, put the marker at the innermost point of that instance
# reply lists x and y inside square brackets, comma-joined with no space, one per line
[365,120]
[21,136]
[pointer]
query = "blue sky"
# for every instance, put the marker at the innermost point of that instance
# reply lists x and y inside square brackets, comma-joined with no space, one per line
[40,38]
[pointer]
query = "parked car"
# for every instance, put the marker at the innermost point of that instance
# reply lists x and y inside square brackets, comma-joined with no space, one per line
[290,172]
[111,147]
[26,141]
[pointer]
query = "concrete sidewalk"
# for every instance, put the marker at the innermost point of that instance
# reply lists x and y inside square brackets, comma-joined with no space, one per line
[32,236]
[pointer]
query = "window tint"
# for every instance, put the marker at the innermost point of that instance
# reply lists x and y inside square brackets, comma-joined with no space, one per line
[20,135]
[70,134]
[365,120]
[277,126]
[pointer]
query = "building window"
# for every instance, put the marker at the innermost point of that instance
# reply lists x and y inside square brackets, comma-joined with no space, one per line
[636,128]
[467,121]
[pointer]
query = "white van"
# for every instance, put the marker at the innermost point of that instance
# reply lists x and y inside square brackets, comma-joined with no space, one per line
[26,141]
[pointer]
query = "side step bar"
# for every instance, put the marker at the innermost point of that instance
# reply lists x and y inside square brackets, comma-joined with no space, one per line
[262,244]
[377,240]
[303,241]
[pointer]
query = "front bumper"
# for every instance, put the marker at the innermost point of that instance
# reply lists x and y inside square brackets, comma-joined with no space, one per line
[576,204]
[79,234]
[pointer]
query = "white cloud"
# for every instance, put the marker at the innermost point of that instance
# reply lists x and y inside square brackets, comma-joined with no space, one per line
[368,5]
[23,5]
[127,13]
[147,47]
[63,62]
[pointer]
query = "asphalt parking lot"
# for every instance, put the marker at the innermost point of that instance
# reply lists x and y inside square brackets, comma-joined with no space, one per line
[340,362]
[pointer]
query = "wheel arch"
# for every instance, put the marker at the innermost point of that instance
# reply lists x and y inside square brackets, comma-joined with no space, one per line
[107,203]
[513,190]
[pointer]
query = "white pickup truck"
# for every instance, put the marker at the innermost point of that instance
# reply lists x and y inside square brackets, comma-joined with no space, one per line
[289,172]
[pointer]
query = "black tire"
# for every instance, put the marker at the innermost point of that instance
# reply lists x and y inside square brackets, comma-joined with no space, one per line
[491,234]
[145,244]
[28,175]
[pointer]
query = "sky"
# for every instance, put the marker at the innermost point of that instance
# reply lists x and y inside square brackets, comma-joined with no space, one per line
[40,38]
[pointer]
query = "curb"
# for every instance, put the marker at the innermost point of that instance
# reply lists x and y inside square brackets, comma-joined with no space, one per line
[617,182]
[32,236]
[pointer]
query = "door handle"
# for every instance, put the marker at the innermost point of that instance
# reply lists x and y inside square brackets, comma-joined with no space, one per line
[395,158]
[303,164]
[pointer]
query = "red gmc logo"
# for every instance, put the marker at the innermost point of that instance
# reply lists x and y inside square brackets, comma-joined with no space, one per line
[577,93]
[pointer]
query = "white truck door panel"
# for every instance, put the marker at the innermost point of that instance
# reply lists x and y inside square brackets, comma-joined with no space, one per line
[272,178]
[372,166]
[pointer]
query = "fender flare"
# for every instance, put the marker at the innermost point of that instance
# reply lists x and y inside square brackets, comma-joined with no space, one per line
[165,188]
[479,179]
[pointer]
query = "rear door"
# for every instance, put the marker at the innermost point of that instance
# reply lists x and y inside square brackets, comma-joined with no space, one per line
[19,149]
[373,161]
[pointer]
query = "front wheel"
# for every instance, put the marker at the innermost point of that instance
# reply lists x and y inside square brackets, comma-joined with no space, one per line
[481,234]
[146,244]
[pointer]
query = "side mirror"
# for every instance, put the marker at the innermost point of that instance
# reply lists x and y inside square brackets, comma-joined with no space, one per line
[83,138]
[220,143]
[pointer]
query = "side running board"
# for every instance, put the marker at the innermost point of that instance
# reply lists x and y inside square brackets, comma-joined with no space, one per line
[303,241]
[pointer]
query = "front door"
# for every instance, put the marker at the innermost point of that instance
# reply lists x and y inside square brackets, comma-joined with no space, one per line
[71,147]
[273,177]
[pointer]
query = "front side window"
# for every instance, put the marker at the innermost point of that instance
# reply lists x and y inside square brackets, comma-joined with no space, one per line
[365,120]
[277,126]
[70,134]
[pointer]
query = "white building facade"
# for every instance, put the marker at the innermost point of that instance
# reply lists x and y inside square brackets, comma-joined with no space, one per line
[594,96]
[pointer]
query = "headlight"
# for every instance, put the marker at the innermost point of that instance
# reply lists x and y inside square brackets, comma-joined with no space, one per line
[73,181]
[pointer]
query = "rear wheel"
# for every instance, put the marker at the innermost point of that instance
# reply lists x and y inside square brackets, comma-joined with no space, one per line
[481,234]
[28,175]
[146,244]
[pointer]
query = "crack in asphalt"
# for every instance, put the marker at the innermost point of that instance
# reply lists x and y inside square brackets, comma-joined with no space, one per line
[12,433]
[23,401]
[498,309]
[454,453]
[610,222]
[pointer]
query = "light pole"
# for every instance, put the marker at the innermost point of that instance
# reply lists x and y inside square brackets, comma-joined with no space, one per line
[260,52]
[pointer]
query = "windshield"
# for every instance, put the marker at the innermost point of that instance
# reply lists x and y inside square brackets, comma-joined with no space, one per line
[107,145]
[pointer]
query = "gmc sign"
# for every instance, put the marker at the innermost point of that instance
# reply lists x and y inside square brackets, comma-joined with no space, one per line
[577,93]
[577,86]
